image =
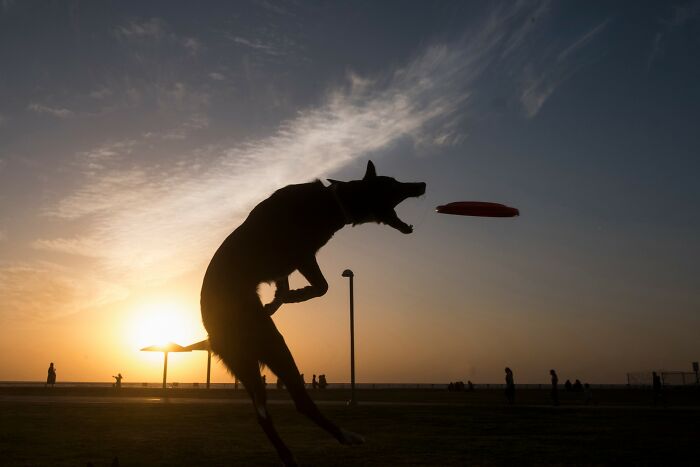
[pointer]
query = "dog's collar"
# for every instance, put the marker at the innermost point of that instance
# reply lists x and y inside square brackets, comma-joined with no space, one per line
[334,190]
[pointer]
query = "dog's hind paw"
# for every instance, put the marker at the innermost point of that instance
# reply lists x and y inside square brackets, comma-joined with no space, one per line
[350,438]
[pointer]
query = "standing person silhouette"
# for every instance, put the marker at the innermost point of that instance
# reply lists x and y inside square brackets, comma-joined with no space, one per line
[555,388]
[657,388]
[51,378]
[510,386]
[314,383]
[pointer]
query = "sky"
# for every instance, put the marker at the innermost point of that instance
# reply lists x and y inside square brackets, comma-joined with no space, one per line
[135,136]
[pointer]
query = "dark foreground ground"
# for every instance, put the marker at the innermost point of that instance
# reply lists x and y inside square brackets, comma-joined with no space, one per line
[402,427]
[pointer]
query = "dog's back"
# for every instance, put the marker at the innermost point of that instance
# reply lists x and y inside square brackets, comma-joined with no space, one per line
[294,222]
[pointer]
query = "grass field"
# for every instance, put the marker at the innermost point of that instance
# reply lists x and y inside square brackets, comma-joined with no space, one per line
[419,428]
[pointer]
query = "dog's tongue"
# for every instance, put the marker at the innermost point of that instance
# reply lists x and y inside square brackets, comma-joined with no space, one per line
[399,225]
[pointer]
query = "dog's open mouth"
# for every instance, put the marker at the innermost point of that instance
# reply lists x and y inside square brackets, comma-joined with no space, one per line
[412,190]
[394,221]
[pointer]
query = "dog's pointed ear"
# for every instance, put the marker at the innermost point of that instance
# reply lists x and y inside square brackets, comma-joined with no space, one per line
[371,171]
[332,181]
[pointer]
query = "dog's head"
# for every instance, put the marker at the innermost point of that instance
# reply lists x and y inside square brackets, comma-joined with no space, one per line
[374,198]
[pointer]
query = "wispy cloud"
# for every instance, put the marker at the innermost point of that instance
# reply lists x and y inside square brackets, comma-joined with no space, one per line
[156,221]
[183,130]
[542,79]
[582,41]
[156,30]
[192,45]
[46,290]
[679,17]
[275,7]
[256,44]
[57,112]
[101,93]
[140,215]
[153,28]
[533,17]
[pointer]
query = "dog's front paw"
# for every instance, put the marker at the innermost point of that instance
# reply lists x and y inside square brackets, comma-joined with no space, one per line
[272,307]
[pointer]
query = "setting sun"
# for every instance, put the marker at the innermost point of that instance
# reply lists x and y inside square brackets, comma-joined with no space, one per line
[160,322]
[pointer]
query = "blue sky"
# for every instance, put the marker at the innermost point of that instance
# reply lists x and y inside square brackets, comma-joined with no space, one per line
[135,135]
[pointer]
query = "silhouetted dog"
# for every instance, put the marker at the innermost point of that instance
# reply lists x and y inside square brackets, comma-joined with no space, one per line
[281,235]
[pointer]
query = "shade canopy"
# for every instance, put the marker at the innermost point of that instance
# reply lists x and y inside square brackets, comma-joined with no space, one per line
[169,347]
[173,347]
[201,345]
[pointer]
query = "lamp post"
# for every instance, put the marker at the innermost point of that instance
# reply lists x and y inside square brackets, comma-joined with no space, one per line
[208,368]
[353,401]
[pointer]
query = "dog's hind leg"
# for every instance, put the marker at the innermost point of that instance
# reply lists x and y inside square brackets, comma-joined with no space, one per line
[247,369]
[252,381]
[279,359]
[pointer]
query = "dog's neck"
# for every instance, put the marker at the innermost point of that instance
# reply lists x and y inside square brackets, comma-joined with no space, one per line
[343,210]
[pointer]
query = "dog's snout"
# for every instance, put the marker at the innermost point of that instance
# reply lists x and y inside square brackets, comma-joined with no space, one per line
[417,189]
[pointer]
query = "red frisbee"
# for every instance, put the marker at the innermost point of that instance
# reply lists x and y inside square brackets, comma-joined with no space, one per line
[478,208]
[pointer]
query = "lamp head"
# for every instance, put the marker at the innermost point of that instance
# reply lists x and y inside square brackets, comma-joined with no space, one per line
[348,273]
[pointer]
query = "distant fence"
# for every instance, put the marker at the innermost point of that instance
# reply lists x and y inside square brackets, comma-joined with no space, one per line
[668,378]
[679,378]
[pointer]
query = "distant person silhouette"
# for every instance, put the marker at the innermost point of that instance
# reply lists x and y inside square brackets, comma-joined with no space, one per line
[578,387]
[314,383]
[587,394]
[510,386]
[51,377]
[470,385]
[567,386]
[118,383]
[555,388]
[322,383]
[656,387]
[264,380]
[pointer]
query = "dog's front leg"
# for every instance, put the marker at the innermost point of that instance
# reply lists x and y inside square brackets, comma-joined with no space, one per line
[282,288]
[317,283]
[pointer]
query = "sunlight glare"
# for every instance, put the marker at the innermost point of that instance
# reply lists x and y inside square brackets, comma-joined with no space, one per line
[157,323]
